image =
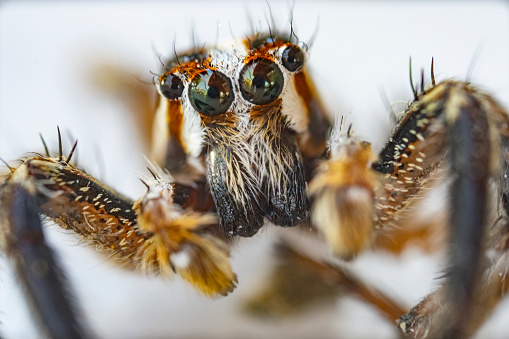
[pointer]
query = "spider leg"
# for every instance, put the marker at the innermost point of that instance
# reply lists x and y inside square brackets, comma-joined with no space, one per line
[469,159]
[483,286]
[37,267]
[475,127]
[300,279]
[450,128]
[155,233]
[455,122]
[492,284]
[356,195]
[430,312]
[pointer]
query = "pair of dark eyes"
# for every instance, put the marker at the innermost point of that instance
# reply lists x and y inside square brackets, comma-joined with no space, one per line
[261,82]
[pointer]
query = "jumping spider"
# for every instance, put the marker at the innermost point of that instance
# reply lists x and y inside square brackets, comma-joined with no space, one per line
[247,125]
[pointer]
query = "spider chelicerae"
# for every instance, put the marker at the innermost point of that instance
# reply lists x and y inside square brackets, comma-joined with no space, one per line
[83,145]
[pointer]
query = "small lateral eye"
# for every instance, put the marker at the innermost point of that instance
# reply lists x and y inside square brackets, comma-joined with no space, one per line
[261,81]
[170,86]
[293,58]
[211,93]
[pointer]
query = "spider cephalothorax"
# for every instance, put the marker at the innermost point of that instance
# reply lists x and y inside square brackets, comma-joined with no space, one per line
[246,109]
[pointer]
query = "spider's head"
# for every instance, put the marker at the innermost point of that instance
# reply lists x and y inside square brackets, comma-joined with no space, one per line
[246,108]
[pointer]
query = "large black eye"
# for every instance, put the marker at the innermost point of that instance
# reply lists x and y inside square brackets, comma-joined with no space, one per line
[211,93]
[261,81]
[171,86]
[293,58]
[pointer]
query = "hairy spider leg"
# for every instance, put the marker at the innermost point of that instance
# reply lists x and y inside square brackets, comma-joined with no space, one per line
[478,142]
[22,240]
[451,125]
[300,279]
[446,122]
[153,233]
[356,193]
[451,121]
[491,287]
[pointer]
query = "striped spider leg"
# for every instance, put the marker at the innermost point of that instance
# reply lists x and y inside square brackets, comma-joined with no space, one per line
[477,143]
[451,129]
[156,233]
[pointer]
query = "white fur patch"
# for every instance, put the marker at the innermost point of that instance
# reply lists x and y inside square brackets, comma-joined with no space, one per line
[229,61]
[160,131]
[358,194]
[192,130]
[180,260]
[294,107]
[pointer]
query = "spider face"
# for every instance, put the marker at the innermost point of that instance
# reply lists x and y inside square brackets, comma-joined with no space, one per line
[242,108]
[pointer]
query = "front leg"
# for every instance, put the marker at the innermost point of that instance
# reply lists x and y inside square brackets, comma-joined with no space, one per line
[23,241]
[450,123]
[154,234]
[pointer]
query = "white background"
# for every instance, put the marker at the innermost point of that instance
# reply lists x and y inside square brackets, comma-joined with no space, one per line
[49,51]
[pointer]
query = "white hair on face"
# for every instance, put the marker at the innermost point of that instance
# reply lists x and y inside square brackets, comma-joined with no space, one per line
[225,60]
[229,61]
[192,132]
[294,108]
[160,131]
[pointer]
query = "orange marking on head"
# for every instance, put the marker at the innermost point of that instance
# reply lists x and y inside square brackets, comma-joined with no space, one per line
[263,50]
[175,120]
[256,55]
[192,68]
[304,88]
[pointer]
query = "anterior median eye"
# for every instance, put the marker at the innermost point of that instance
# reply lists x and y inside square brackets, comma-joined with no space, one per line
[171,86]
[261,81]
[211,93]
[293,58]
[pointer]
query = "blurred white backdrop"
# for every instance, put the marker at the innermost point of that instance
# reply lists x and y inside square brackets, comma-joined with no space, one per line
[48,50]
